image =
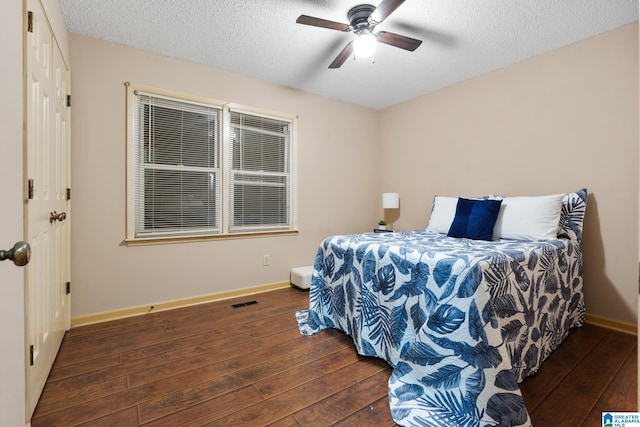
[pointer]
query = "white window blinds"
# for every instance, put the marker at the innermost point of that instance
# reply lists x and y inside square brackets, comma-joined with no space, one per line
[196,169]
[260,189]
[177,173]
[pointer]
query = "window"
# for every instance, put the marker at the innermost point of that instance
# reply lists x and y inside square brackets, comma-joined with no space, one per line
[200,168]
[177,167]
[260,177]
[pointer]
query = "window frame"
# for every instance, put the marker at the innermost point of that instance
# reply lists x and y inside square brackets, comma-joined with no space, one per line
[225,166]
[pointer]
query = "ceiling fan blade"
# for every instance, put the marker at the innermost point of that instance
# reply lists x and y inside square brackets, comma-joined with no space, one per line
[383,10]
[342,56]
[403,42]
[323,23]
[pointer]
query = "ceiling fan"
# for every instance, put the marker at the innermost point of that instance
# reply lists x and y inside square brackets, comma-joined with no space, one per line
[363,20]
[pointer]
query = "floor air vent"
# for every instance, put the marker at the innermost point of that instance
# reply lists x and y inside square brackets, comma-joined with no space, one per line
[243,304]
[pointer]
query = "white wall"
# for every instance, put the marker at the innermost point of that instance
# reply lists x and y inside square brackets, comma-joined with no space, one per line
[12,327]
[555,123]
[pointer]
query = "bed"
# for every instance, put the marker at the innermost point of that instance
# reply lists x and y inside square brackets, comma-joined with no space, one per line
[461,321]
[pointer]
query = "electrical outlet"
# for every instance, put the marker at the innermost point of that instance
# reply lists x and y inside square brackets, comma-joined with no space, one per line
[266,259]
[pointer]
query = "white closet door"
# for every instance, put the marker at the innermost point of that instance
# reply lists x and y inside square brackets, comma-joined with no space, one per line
[47,207]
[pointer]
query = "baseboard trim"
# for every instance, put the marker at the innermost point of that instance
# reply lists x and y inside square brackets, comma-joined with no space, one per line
[170,305]
[616,325]
[106,316]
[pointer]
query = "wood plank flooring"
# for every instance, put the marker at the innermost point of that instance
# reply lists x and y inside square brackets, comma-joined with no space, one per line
[214,365]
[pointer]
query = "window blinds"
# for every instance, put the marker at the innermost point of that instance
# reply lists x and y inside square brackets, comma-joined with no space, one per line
[260,176]
[177,167]
[190,160]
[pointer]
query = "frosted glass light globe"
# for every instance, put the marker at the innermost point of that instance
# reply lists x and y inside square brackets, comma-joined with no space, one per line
[365,45]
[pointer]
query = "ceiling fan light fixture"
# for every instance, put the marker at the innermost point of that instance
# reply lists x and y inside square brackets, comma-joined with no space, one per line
[363,19]
[365,45]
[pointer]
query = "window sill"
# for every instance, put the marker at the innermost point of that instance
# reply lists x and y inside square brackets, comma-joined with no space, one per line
[187,239]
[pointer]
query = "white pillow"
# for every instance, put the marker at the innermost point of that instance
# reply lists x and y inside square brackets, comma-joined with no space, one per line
[442,214]
[529,218]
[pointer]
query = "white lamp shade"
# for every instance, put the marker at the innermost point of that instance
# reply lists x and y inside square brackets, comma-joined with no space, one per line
[390,200]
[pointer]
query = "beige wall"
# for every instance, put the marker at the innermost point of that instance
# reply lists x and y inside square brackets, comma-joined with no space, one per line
[555,123]
[337,181]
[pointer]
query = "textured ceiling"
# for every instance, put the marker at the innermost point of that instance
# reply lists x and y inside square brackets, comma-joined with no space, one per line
[260,39]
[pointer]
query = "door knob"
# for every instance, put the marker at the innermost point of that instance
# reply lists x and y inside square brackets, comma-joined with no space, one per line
[20,254]
[55,216]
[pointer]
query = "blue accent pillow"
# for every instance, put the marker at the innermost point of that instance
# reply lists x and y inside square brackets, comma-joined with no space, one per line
[475,219]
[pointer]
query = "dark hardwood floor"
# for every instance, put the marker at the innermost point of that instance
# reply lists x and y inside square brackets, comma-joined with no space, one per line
[215,365]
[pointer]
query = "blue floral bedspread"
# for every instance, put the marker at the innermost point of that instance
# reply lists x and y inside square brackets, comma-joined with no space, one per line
[462,322]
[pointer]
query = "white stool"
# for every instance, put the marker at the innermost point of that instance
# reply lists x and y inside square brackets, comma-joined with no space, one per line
[301,276]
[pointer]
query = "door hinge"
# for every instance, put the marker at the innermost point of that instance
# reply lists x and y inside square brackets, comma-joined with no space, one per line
[68,100]
[68,288]
[30,189]
[30,21]
[31,355]
[68,194]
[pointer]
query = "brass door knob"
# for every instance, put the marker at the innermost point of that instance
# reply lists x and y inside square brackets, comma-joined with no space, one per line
[55,216]
[20,254]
